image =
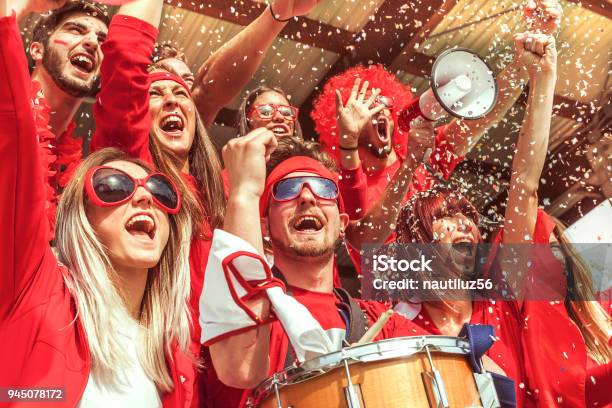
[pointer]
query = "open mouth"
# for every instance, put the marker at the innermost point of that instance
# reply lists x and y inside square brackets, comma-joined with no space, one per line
[172,124]
[381,129]
[308,223]
[464,246]
[280,130]
[141,225]
[83,63]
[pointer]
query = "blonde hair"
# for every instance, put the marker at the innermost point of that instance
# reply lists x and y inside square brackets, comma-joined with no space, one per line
[93,284]
[590,317]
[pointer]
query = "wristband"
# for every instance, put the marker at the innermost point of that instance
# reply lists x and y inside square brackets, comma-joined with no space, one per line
[280,20]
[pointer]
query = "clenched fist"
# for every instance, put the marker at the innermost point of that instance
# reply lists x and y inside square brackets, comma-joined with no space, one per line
[245,162]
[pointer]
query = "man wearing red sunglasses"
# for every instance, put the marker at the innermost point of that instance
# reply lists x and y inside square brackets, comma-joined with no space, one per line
[301,211]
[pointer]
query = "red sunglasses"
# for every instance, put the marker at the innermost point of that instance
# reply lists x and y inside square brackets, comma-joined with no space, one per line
[268,110]
[107,186]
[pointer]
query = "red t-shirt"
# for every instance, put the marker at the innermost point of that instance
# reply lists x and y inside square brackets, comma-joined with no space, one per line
[323,307]
[360,190]
[506,351]
[556,360]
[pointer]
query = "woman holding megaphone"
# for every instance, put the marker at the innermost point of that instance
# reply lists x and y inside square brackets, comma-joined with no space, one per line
[548,370]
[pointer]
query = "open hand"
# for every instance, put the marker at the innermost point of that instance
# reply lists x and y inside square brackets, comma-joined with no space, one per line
[25,7]
[356,115]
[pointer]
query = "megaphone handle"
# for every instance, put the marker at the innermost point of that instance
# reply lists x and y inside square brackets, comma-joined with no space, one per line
[408,114]
[428,153]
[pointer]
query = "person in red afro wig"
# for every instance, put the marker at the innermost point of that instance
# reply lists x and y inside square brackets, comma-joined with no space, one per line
[356,117]
[324,111]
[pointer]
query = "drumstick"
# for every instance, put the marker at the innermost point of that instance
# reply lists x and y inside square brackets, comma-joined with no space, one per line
[375,329]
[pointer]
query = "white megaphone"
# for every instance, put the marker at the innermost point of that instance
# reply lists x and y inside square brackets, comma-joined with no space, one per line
[461,84]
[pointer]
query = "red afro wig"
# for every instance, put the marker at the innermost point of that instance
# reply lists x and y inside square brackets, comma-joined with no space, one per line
[324,108]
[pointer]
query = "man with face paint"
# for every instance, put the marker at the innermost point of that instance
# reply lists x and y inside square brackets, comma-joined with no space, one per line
[66,51]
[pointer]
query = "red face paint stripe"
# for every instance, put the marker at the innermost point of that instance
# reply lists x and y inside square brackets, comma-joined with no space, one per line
[62,42]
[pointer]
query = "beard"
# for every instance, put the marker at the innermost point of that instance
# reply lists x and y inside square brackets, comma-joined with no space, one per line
[380,152]
[305,249]
[79,88]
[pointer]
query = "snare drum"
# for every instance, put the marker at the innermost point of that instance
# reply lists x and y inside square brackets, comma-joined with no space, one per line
[426,371]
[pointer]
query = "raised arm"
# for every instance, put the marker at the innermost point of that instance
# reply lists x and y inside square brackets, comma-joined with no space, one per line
[23,224]
[241,360]
[379,221]
[121,111]
[463,135]
[352,118]
[540,57]
[23,8]
[225,73]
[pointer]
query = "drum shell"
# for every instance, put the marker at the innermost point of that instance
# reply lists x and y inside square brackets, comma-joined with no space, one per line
[396,382]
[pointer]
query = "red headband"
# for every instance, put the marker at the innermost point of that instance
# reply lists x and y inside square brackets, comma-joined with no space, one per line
[168,76]
[291,165]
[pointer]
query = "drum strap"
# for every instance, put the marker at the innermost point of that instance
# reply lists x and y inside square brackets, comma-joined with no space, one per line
[481,338]
[357,323]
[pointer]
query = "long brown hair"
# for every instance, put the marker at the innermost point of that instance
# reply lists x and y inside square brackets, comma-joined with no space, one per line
[205,202]
[415,221]
[590,317]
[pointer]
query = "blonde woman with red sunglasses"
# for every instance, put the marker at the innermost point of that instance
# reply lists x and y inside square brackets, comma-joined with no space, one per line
[104,320]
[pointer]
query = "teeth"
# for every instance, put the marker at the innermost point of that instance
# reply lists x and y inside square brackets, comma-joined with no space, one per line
[84,60]
[308,218]
[463,240]
[174,120]
[279,130]
[149,223]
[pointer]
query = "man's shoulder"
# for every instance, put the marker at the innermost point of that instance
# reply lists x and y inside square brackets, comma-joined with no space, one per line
[372,307]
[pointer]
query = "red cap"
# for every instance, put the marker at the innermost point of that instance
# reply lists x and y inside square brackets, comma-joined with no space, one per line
[168,76]
[291,165]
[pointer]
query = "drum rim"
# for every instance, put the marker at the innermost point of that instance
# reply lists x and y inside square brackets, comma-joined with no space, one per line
[397,347]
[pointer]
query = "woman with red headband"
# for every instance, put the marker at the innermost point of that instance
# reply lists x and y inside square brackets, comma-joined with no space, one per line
[102,320]
[151,116]
[548,370]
